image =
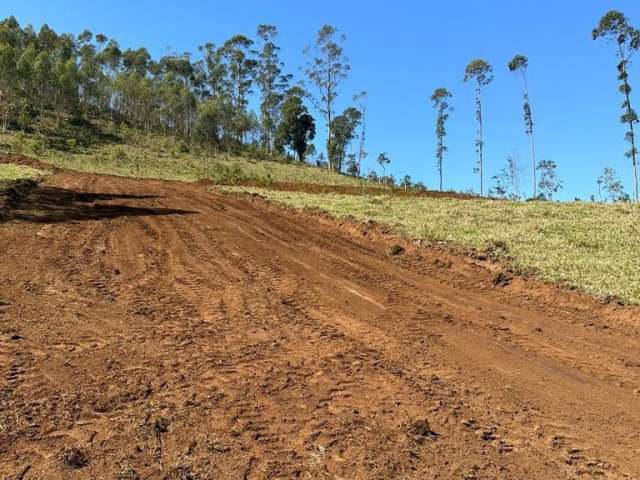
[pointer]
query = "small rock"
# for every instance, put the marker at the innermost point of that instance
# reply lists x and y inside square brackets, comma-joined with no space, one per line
[419,431]
[74,458]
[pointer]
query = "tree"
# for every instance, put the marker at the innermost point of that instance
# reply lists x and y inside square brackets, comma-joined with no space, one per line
[239,71]
[297,127]
[383,160]
[614,26]
[327,70]
[548,184]
[440,99]
[406,182]
[610,184]
[272,83]
[480,71]
[361,101]
[507,181]
[343,131]
[520,63]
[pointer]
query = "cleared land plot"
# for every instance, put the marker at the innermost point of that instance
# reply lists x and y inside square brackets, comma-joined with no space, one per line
[158,330]
[589,246]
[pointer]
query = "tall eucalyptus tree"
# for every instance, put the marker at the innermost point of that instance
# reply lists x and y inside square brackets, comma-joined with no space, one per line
[479,71]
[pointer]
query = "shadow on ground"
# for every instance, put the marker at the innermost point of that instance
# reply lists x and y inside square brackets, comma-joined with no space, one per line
[58,205]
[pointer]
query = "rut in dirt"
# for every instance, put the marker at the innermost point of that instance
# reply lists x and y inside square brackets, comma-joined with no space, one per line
[161,330]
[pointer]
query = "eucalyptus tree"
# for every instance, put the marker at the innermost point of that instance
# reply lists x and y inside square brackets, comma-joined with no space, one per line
[7,76]
[520,63]
[343,132]
[297,127]
[361,101]
[272,83]
[612,186]
[615,27]
[479,71]
[440,99]
[507,181]
[327,70]
[240,68]
[549,184]
[240,73]
[383,160]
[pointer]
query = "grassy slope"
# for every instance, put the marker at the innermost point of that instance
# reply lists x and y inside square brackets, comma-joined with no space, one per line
[9,174]
[590,246]
[156,157]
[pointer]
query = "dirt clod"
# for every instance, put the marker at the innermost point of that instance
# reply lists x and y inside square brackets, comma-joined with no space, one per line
[396,250]
[501,279]
[74,458]
[419,431]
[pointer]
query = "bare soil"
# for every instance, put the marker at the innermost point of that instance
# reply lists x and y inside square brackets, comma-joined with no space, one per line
[157,330]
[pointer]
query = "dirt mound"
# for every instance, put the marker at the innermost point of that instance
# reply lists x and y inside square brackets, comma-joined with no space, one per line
[157,330]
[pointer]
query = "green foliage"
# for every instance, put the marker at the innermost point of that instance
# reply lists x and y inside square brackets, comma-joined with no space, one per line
[481,72]
[610,187]
[327,69]
[440,99]
[507,181]
[272,83]
[383,160]
[343,132]
[520,63]
[45,75]
[549,183]
[614,26]
[10,174]
[297,127]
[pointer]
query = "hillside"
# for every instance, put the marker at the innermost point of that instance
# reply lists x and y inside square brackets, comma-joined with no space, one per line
[581,245]
[132,153]
[154,329]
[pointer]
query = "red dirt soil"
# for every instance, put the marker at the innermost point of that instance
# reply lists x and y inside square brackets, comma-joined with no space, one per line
[157,330]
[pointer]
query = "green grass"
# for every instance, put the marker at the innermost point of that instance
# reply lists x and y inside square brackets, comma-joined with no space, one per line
[592,247]
[10,174]
[152,156]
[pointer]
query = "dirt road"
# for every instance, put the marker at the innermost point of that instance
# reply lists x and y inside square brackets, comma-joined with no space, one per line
[158,330]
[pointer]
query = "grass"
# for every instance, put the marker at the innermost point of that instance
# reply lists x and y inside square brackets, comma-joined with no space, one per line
[133,154]
[10,174]
[590,246]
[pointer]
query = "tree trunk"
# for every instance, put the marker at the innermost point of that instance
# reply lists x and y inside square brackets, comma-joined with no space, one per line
[481,142]
[631,129]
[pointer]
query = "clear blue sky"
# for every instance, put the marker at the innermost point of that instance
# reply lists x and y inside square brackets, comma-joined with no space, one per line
[400,51]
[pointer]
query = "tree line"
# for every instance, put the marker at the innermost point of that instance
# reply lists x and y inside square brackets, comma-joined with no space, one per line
[614,27]
[201,97]
[204,97]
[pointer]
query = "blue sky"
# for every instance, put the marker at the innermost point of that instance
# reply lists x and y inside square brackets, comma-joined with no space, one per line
[400,51]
